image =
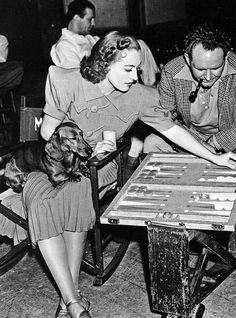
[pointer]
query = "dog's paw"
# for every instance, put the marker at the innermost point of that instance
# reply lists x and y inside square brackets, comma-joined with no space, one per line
[84,170]
[75,178]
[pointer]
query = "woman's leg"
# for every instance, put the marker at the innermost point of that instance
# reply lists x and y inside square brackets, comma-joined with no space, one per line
[75,244]
[136,147]
[54,251]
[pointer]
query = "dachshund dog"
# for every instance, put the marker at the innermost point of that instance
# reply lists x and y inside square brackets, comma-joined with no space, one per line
[63,158]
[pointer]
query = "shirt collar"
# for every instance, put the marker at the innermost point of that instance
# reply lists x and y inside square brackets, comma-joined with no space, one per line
[185,73]
[69,33]
[75,36]
[91,91]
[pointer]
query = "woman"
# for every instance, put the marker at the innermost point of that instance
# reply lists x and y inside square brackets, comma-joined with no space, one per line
[76,42]
[102,95]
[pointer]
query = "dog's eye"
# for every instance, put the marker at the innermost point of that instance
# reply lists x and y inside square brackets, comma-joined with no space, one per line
[68,138]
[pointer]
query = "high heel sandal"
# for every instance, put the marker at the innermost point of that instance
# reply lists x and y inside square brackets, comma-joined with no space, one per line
[61,312]
[83,301]
[83,314]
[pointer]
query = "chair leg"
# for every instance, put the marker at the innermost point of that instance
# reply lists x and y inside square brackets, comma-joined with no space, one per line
[9,116]
[3,120]
[18,251]
[99,244]
[97,267]
[106,273]
[14,256]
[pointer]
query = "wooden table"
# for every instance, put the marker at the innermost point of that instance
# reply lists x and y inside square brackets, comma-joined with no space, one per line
[188,207]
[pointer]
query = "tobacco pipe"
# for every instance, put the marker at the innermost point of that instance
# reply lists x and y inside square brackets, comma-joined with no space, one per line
[193,94]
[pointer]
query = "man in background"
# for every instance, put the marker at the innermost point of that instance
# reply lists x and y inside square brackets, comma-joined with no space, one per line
[11,72]
[76,41]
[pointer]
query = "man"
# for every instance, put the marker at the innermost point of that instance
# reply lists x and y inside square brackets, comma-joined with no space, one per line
[11,72]
[199,88]
[77,42]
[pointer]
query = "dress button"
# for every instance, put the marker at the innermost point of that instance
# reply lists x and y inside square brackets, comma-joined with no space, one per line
[94,109]
[89,133]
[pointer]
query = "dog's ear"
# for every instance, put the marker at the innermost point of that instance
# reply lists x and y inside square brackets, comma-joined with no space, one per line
[53,147]
[14,177]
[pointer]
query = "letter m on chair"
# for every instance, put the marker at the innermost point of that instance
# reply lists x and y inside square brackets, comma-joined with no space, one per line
[30,119]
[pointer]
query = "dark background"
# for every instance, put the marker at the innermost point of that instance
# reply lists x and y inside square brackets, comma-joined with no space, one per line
[33,26]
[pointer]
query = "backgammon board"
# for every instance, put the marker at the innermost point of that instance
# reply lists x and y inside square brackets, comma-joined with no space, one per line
[176,189]
[184,170]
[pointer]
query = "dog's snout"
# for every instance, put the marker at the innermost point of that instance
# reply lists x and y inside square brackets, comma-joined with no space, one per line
[84,149]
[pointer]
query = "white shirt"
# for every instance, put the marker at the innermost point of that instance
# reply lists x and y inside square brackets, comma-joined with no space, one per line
[71,48]
[3,48]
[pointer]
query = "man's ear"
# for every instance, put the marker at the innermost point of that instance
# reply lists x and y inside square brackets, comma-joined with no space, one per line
[187,58]
[76,17]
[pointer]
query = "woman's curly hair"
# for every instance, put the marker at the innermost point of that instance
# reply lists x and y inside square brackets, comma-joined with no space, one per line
[106,51]
[209,36]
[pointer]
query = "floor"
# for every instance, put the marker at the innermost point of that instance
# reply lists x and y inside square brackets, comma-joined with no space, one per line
[28,290]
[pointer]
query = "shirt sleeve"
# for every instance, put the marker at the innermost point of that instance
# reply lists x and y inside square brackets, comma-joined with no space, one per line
[151,113]
[63,54]
[167,91]
[3,48]
[57,93]
[69,55]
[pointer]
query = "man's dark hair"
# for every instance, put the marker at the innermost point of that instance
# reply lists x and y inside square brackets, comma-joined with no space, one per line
[77,7]
[209,36]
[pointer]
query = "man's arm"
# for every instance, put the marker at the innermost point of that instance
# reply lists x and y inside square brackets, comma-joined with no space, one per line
[226,139]
[3,48]
[167,91]
[64,55]
[69,55]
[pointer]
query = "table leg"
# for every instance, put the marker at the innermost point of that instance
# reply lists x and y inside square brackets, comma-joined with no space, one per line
[176,290]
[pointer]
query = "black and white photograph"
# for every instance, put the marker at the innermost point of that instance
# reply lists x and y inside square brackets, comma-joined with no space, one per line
[117,159]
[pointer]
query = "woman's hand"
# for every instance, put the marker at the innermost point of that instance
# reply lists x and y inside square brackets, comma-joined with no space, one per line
[104,147]
[227,159]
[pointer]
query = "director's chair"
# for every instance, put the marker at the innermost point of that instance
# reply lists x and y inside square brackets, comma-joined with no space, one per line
[30,120]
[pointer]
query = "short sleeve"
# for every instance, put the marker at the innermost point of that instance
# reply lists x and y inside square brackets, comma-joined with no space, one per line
[58,92]
[151,113]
